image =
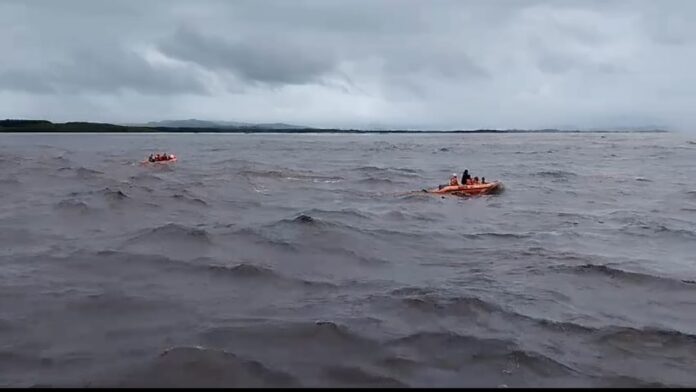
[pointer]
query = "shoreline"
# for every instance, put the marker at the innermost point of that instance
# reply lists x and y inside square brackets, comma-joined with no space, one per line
[313,131]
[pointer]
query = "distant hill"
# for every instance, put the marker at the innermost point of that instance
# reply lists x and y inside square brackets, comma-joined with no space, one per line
[196,126]
[193,123]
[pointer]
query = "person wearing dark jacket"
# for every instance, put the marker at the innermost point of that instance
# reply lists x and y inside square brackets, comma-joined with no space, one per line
[465,176]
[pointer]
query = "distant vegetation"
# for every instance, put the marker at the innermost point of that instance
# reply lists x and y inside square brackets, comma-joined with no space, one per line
[28,126]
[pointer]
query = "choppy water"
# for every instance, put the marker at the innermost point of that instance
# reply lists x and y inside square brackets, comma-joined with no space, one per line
[288,260]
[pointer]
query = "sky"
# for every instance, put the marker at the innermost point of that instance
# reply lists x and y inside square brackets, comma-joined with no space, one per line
[415,64]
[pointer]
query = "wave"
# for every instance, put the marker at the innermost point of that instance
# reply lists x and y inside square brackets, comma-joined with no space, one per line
[113,194]
[173,232]
[257,237]
[322,228]
[310,221]
[193,200]
[358,257]
[428,301]
[338,214]
[10,161]
[556,175]
[73,206]
[318,334]
[145,178]
[343,228]
[245,271]
[627,276]
[382,146]
[7,326]
[59,160]
[390,172]
[457,305]
[18,360]
[645,229]
[375,181]
[411,291]
[415,196]
[629,382]
[405,216]
[288,175]
[533,152]
[85,173]
[10,181]
[250,271]
[232,160]
[353,376]
[475,236]
[113,303]
[645,337]
[456,351]
[200,367]
[306,219]
[81,172]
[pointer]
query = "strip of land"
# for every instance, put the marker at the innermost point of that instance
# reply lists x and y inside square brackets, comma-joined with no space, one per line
[43,126]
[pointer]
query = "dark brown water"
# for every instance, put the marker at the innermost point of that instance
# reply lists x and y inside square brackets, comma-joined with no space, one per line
[307,260]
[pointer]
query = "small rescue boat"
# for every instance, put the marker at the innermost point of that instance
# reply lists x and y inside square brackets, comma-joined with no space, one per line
[172,158]
[469,190]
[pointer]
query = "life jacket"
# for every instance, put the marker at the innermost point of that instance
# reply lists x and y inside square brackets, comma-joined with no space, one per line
[469,182]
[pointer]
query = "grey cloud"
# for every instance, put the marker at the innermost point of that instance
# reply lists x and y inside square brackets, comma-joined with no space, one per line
[264,59]
[103,73]
[448,63]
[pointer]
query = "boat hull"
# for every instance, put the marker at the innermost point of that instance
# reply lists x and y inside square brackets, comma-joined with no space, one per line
[469,190]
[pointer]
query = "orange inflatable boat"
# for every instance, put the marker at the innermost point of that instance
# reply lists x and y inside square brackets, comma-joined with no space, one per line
[169,160]
[469,190]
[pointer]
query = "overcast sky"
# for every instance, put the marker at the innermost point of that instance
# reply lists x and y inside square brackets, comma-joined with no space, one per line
[353,63]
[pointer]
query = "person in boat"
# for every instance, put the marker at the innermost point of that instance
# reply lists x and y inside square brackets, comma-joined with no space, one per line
[151,158]
[453,180]
[476,181]
[483,180]
[465,176]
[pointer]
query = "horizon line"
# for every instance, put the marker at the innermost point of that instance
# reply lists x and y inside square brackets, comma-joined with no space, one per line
[25,125]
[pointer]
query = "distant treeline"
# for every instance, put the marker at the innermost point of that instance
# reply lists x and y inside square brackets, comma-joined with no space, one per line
[29,126]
